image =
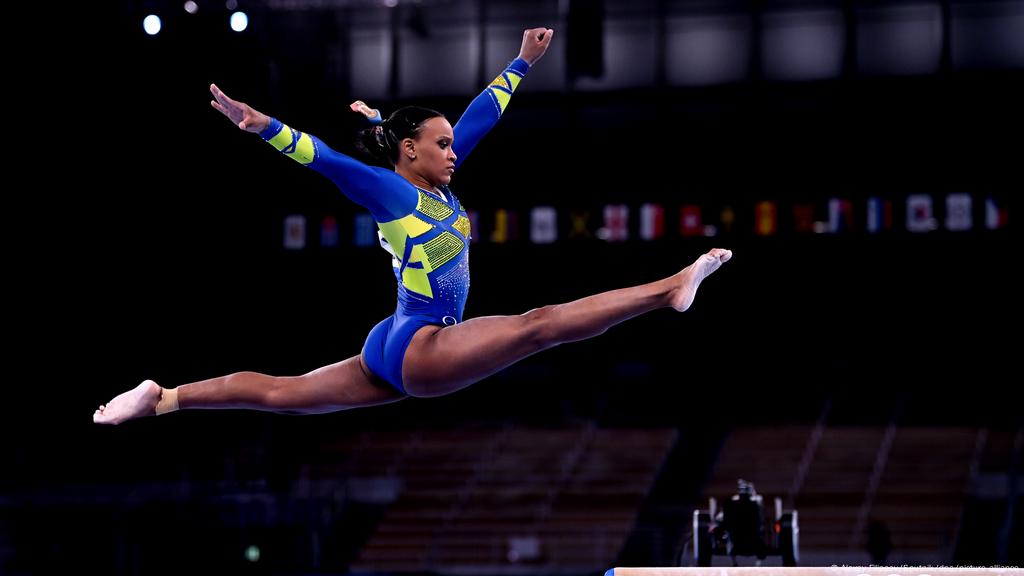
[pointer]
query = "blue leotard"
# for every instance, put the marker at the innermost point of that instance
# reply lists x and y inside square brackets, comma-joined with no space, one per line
[427,236]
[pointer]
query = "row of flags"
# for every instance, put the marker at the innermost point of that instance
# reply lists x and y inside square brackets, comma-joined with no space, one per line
[916,213]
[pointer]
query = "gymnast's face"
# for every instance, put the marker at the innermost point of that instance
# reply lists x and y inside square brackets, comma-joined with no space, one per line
[432,151]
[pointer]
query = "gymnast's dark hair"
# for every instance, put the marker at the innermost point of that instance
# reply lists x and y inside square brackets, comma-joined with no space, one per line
[381,141]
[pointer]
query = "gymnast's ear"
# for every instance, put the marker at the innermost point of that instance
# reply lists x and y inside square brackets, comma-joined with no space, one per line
[408,148]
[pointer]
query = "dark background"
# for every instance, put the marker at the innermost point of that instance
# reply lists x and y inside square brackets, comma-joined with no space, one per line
[152,248]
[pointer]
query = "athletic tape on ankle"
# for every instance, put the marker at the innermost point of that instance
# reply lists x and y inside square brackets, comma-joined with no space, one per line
[168,401]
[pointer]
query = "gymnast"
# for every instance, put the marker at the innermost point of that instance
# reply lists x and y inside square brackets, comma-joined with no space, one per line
[425,348]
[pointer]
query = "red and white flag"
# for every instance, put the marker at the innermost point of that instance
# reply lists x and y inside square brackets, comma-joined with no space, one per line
[689,221]
[616,223]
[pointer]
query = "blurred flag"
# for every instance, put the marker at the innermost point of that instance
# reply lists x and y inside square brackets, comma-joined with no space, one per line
[506,226]
[840,215]
[500,233]
[652,221]
[728,217]
[765,218]
[920,214]
[579,224]
[329,232]
[689,220]
[616,223]
[474,224]
[879,214]
[803,218]
[996,215]
[543,225]
[294,232]
[364,231]
[958,212]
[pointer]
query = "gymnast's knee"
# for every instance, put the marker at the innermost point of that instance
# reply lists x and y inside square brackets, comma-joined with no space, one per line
[540,329]
[262,389]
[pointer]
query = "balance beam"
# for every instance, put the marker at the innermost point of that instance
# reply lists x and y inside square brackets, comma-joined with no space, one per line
[826,571]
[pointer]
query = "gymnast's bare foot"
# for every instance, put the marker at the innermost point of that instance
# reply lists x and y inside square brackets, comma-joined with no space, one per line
[691,276]
[137,402]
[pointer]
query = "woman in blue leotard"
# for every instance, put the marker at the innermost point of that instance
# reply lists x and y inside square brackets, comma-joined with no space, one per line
[425,348]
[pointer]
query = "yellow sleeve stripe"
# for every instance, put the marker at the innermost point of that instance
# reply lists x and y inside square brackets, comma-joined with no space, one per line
[302,151]
[502,88]
[507,81]
[502,97]
[513,79]
[501,82]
